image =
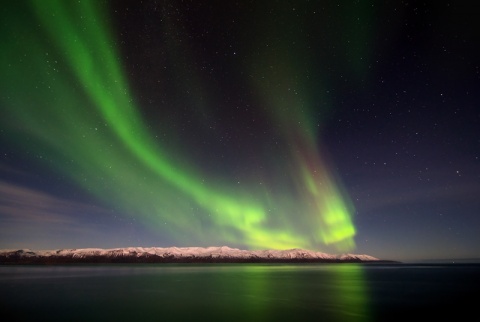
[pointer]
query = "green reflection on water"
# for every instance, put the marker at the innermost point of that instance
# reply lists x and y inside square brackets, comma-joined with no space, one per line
[247,292]
[352,293]
[290,292]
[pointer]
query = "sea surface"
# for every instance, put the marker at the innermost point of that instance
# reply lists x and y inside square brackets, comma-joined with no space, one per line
[239,292]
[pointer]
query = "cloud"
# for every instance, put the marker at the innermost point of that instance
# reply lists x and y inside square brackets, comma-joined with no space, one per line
[24,204]
[27,214]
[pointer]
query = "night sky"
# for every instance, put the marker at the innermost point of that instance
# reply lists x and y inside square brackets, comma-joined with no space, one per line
[335,126]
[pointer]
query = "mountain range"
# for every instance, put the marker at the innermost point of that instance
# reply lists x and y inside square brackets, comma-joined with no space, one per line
[221,254]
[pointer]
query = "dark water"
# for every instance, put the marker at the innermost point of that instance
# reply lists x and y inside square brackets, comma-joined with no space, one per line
[239,292]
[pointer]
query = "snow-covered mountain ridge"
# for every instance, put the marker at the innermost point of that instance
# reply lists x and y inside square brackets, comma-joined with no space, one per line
[175,254]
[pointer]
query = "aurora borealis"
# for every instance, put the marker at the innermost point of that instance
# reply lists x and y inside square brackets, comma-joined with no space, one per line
[249,125]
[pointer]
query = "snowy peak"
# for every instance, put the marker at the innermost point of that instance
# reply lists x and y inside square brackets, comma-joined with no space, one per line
[174,255]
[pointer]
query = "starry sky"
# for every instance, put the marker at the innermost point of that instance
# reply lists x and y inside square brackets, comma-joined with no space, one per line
[335,126]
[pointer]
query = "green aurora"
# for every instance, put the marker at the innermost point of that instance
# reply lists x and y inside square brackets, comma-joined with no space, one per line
[67,100]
